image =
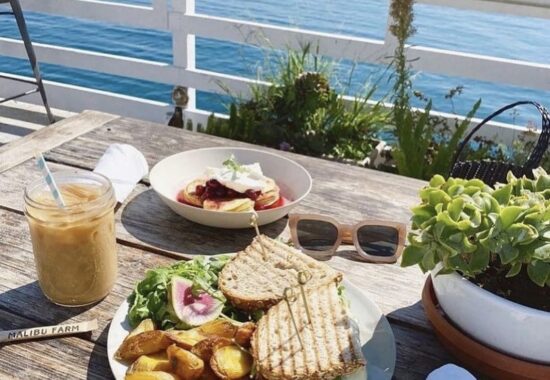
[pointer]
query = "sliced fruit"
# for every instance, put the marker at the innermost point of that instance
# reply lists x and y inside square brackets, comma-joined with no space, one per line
[267,199]
[187,198]
[234,205]
[193,309]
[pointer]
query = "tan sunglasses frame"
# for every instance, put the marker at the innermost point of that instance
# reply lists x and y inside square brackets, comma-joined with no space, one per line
[347,233]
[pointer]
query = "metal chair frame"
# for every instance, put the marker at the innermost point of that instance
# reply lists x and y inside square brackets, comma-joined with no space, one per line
[493,171]
[17,12]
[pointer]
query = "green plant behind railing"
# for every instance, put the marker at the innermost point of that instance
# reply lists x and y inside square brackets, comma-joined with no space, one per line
[468,227]
[425,144]
[302,113]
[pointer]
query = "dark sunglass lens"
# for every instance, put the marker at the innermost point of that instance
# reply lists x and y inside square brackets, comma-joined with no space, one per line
[316,235]
[378,240]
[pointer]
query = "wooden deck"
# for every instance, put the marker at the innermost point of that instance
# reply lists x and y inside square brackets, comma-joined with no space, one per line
[18,119]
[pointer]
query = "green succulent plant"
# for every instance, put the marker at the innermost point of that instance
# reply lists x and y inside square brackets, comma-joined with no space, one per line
[468,227]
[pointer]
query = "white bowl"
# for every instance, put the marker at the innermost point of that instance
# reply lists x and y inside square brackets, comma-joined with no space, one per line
[173,173]
[504,325]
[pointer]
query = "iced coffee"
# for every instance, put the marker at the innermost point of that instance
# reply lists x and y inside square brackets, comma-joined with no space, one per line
[74,246]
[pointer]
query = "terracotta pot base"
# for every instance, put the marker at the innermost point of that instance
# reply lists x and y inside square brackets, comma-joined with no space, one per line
[475,355]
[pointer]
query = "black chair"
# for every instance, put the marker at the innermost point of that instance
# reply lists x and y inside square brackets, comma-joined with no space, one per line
[492,172]
[17,12]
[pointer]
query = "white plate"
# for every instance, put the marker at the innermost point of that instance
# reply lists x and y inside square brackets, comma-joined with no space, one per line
[376,336]
[173,173]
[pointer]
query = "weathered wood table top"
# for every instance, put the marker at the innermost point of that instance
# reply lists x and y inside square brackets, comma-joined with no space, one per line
[149,234]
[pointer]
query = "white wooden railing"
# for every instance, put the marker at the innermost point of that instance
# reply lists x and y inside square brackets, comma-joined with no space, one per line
[184,24]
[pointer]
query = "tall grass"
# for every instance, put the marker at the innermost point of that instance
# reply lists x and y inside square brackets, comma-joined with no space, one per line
[425,143]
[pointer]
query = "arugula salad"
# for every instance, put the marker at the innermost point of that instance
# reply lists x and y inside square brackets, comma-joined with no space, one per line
[151,297]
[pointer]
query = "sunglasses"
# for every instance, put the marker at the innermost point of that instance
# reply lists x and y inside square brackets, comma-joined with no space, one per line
[320,236]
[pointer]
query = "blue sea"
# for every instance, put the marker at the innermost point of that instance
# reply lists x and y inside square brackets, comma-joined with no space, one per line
[493,34]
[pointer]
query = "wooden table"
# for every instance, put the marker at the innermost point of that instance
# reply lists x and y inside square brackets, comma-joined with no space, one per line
[149,235]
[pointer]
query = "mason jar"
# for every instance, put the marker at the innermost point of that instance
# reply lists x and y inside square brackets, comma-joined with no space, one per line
[75,246]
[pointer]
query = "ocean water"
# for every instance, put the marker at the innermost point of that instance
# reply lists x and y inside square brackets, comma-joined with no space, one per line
[499,35]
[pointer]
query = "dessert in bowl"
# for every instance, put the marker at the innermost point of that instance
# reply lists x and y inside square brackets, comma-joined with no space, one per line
[233,187]
[222,187]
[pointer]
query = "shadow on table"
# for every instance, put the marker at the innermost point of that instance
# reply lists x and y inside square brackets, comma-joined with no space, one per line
[150,221]
[348,252]
[28,300]
[98,365]
[413,315]
[418,349]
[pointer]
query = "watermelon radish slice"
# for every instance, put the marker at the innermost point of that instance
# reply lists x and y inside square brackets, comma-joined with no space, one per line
[193,310]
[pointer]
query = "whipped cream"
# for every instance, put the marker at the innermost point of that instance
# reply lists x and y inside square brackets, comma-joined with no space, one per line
[249,177]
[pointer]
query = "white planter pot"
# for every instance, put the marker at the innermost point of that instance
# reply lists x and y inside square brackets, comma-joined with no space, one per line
[504,325]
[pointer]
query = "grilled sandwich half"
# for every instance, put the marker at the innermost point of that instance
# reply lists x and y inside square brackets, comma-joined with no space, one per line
[255,279]
[331,342]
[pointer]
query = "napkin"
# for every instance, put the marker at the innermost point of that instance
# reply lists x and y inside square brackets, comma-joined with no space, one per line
[125,166]
[450,372]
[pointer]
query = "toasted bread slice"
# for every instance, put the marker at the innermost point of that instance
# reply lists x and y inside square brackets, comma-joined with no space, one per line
[252,281]
[331,343]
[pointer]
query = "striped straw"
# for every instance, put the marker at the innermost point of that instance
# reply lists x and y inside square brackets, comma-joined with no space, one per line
[47,174]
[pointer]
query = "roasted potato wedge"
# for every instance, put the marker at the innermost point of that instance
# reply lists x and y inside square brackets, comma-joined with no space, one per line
[231,362]
[145,325]
[218,327]
[208,374]
[151,375]
[186,338]
[145,343]
[153,362]
[244,334]
[205,348]
[185,364]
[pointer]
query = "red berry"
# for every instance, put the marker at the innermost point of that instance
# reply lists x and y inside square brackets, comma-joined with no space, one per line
[213,183]
[199,190]
[252,194]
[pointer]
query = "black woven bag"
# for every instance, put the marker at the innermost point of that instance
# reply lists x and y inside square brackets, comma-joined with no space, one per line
[491,172]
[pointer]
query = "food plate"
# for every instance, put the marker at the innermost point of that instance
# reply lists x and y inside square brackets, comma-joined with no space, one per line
[378,344]
[173,173]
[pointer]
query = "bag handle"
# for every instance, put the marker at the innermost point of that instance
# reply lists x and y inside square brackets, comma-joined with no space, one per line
[542,143]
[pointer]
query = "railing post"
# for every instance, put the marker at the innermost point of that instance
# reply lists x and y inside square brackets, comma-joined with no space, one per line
[161,11]
[184,44]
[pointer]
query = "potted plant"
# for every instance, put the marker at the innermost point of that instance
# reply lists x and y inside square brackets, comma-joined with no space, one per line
[488,250]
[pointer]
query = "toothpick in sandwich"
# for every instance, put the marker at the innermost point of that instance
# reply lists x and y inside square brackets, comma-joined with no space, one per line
[254,223]
[290,296]
[303,277]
